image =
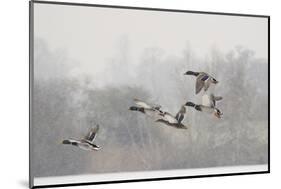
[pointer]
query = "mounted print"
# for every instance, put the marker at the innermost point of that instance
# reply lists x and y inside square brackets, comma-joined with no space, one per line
[121,94]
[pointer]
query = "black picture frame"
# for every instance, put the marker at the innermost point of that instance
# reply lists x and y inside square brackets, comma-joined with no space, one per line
[31,40]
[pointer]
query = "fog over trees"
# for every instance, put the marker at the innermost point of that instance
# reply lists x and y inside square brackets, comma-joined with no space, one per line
[68,102]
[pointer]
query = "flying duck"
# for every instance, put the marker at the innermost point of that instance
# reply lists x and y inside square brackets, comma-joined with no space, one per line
[173,121]
[87,142]
[208,105]
[203,80]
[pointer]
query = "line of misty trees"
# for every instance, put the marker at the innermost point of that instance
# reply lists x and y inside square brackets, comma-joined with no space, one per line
[65,106]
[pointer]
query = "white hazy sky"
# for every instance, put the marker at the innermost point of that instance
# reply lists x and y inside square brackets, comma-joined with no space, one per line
[91,35]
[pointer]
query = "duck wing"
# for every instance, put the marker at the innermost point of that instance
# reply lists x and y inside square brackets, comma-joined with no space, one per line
[176,125]
[142,104]
[171,119]
[163,121]
[200,82]
[180,114]
[217,98]
[179,117]
[92,134]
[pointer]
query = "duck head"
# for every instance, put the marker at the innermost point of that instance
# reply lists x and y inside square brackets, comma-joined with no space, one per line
[133,108]
[191,73]
[190,104]
[66,142]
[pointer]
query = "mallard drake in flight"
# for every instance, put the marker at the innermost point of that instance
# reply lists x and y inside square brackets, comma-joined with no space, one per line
[208,105]
[173,121]
[86,143]
[143,107]
[203,80]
